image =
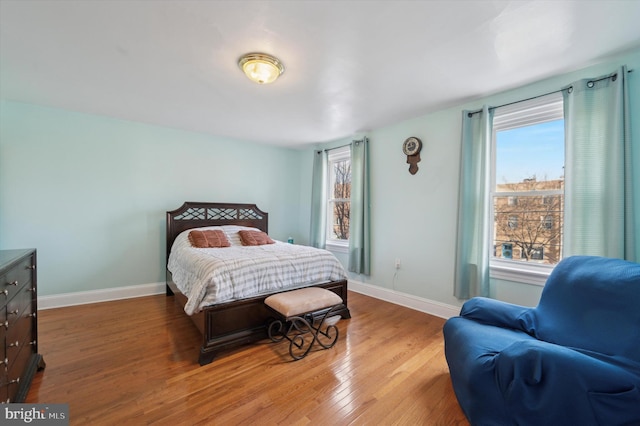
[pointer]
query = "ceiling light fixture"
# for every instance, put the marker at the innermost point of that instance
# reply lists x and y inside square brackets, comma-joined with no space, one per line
[260,67]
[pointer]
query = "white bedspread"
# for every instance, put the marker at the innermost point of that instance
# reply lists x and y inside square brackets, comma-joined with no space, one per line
[209,276]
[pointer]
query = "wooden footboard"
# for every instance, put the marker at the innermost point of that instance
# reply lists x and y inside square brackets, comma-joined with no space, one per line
[229,325]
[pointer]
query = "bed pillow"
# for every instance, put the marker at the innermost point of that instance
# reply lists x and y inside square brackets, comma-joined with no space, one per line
[254,238]
[232,233]
[212,238]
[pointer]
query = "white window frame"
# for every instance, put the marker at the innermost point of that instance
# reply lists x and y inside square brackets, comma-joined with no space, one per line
[334,156]
[534,111]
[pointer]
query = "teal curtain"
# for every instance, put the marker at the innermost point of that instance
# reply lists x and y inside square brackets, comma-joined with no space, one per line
[319,200]
[599,218]
[359,217]
[472,248]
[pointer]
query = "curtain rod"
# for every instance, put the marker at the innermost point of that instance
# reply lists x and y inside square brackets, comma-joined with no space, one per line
[570,88]
[338,147]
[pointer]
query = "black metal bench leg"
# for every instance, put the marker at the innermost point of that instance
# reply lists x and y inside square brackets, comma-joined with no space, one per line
[302,333]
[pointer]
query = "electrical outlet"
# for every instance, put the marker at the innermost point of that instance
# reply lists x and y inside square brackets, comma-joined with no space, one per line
[398,263]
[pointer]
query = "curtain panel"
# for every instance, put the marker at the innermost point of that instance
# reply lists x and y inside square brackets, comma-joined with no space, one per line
[599,217]
[359,218]
[472,248]
[318,232]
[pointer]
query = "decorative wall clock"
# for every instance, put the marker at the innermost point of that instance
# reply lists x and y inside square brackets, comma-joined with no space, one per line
[411,148]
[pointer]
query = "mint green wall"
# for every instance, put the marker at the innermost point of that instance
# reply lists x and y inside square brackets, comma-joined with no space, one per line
[90,192]
[414,217]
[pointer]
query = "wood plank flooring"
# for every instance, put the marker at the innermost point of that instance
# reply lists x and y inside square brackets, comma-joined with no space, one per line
[134,362]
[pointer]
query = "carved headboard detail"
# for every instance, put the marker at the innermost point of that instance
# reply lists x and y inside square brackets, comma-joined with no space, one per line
[196,214]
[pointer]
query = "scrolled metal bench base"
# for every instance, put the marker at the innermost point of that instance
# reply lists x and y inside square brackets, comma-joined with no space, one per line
[302,331]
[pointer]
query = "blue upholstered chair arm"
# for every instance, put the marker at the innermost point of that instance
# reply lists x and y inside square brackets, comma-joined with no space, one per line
[499,314]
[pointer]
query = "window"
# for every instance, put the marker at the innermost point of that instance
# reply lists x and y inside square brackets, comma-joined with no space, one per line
[507,250]
[527,189]
[339,198]
[537,253]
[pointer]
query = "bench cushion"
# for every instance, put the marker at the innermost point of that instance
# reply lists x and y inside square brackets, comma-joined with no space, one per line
[296,302]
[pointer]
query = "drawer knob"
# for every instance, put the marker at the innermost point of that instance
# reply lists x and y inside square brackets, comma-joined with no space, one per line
[15,380]
[16,312]
[6,292]
[6,324]
[33,289]
[33,342]
[31,267]
[14,282]
[33,315]
[5,361]
[16,344]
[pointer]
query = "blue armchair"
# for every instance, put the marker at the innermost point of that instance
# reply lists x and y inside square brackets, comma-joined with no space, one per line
[572,360]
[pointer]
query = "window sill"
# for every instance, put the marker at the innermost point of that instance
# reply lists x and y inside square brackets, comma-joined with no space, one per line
[337,247]
[526,273]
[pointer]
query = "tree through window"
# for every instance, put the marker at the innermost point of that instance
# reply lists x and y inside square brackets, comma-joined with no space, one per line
[534,224]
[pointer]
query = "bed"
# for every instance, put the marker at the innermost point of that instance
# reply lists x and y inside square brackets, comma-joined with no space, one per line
[240,320]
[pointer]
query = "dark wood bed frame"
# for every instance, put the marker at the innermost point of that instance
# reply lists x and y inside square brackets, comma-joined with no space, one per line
[231,324]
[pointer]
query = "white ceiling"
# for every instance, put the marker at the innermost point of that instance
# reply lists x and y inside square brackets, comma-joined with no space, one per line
[351,66]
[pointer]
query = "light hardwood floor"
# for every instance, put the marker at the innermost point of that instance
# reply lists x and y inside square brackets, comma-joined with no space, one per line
[134,362]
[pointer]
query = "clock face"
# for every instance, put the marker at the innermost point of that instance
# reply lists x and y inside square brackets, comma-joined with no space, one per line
[411,146]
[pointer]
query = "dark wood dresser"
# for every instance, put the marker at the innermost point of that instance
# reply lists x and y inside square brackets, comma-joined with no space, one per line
[19,358]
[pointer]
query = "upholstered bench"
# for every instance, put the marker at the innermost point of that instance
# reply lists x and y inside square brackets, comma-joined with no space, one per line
[301,315]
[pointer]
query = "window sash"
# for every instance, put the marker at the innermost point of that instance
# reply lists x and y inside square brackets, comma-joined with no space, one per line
[335,157]
[521,114]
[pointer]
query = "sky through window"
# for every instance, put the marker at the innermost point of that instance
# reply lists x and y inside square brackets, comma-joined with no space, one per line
[536,150]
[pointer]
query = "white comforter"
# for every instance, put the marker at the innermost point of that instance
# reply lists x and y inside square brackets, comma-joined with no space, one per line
[209,276]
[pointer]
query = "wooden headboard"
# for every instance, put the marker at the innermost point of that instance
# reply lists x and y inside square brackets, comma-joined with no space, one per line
[195,215]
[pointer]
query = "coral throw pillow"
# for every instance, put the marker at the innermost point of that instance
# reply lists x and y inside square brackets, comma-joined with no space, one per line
[254,238]
[209,239]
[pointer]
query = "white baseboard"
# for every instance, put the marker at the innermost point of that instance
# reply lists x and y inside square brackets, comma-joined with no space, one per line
[103,295]
[431,307]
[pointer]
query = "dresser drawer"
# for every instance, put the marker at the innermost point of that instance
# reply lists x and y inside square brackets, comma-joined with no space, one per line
[17,277]
[20,302]
[16,371]
[4,394]
[18,338]
[3,349]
